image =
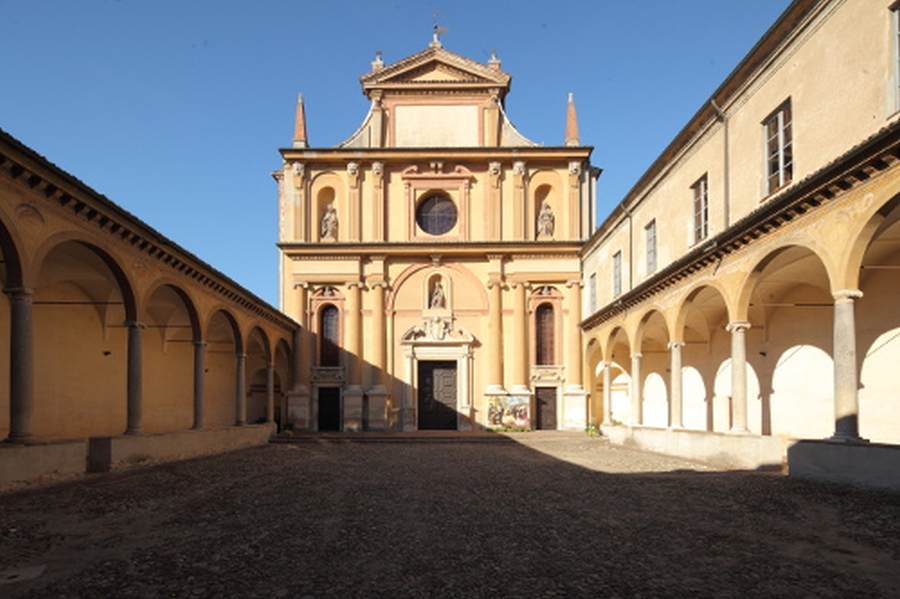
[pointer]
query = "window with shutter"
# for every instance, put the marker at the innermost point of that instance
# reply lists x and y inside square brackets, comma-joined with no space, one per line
[329,332]
[544,329]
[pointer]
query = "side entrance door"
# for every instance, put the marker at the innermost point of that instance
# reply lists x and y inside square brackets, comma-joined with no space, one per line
[437,395]
[329,409]
[545,400]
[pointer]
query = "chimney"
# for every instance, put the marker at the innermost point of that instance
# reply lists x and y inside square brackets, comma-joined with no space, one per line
[300,124]
[571,123]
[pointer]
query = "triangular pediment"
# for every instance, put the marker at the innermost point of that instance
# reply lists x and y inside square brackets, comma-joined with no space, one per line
[435,66]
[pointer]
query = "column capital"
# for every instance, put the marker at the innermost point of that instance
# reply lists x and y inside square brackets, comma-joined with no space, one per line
[241,355]
[381,284]
[135,324]
[352,284]
[302,285]
[637,355]
[18,291]
[575,283]
[846,295]
[517,284]
[491,282]
[737,325]
[675,344]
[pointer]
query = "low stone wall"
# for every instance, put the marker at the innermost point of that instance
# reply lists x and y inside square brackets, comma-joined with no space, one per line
[21,464]
[720,449]
[25,463]
[874,465]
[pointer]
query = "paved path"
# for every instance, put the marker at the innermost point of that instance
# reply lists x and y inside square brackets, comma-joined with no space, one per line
[542,516]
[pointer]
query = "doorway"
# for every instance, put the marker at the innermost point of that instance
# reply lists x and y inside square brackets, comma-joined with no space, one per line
[329,409]
[545,400]
[437,395]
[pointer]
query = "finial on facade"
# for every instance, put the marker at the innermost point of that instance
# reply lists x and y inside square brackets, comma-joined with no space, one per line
[300,124]
[436,36]
[571,122]
[494,62]
[378,63]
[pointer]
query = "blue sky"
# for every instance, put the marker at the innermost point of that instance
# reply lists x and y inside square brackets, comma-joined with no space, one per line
[176,110]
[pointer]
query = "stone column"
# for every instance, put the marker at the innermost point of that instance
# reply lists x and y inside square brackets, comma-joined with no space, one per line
[353,392]
[494,340]
[135,378]
[738,330]
[519,340]
[270,392]
[637,406]
[607,393]
[575,398]
[676,410]
[377,393]
[21,364]
[297,413]
[199,378]
[846,378]
[240,390]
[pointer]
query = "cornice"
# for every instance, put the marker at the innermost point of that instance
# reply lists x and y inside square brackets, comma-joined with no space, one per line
[446,154]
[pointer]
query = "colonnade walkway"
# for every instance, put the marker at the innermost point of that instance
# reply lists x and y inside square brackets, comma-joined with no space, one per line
[539,515]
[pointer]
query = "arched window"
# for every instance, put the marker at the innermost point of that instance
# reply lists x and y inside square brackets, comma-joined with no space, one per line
[329,332]
[543,327]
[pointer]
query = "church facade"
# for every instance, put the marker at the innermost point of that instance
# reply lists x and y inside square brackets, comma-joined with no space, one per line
[432,259]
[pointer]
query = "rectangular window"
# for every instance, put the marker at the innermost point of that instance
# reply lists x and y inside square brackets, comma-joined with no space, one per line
[592,282]
[617,274]
[701,209]
[779,148]
[650,234]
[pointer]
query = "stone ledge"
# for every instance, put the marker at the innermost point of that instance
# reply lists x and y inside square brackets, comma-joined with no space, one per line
[27,463]
[873,465]
[22,464]
[719,449]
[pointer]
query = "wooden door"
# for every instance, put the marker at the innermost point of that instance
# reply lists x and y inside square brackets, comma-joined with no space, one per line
[545,398]
[437,395]
[329,409]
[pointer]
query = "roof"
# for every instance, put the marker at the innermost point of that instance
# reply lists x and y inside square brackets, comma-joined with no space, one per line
[158,240]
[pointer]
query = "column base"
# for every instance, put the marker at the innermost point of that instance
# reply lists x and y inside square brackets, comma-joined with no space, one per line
[739,431]
[352,409]
[20,440]
[495,390]
[378,402]
[575,408]
[520,390]
[847,440]
[298,410]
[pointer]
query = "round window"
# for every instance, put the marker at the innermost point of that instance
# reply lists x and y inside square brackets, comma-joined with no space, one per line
[436,214]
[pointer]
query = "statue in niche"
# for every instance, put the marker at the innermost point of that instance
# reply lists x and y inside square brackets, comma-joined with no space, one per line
[328,228]
[437,298]
[546,222]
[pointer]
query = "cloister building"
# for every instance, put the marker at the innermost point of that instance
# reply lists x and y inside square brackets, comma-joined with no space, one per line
[747,285]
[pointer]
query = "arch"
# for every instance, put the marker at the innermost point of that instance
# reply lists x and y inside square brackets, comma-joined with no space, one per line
[171,327]
[650,314]
[618,335]
[262,342]
[232,323]
[189,304]
[545,334]
[412,269]
[751,280]
[329,321]
[12,260]
[124,282]
[885,216]
[82,304]
[686,304]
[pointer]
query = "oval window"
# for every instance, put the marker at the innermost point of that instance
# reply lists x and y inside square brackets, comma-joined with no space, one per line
[436,214]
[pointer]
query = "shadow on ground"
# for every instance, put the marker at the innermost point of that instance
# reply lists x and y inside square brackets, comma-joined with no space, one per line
[543,515]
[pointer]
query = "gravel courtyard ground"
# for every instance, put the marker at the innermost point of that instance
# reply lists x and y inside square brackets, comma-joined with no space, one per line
[541,516]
